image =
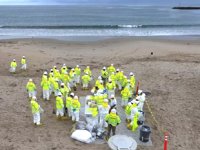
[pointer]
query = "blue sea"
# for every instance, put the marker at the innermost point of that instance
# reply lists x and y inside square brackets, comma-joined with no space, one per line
[97,20]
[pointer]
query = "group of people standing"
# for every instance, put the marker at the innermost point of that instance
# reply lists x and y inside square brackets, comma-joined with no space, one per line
[102,104]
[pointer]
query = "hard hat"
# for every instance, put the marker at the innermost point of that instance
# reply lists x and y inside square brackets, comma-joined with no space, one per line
[111,64]
[88,66]
[92,91]
[122,71]
[131,74]
[114,111]
[54,67]
[104,68]
[101,81]
[129,104]
[30,80]
[139,92]
[51,70]
[72,69]
[59,94]
[45,73]
[77,66]
[110,80]
[112,96]
[13,59]
[34,98]
[76,97]
[99,78]
[137,98]
[117,70]
[62,84]
[23,56]
[106,100]
[72,94]
[64,65]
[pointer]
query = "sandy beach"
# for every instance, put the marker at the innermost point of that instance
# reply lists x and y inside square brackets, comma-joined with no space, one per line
[171,74]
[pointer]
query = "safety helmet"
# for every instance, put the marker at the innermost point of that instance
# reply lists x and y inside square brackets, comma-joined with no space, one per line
[72,94]
[131,74]
[62,84]
[13,59]
[117,70]
[54,67]
[77,66]
[64,64]
[101,81]
[99,78]
[72,69]
[45,73]
[88,66]
[104,68]
[51,70]
[106,100]
[34,98]
[114,111]
[76,97]
[30,80]
[111,64]
[109,80]
[23,56]
[139,92]
[137,98]
[129,104]
[112,96]
[59,94]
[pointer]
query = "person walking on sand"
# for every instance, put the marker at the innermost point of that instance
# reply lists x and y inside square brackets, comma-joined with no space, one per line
[36,110]
[75,109]
[59,106]
[113,121]
[45,84]
[23,63]
[31,88]
[13,66]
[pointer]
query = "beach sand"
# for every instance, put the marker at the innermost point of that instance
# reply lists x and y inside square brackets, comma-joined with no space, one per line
[171,74]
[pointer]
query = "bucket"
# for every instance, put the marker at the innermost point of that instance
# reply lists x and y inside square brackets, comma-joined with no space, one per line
[145,133]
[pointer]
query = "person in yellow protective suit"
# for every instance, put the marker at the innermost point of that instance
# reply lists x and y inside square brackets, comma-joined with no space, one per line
[97,82]
[124,81]
[110,86]
[31,88]
[72,75]
[88,71]
[118,77]
[78,74]
[112,101]
[111,69]
[45,76]
[103,111]
[75,109]
[85,81]
[51,80]
[141,98]
[66,79]
[59,106]
[132,81]
[13,66]
[129,111]
[134,122]
[99,99]
[113,121]
[112,77]
[125,96]
[64,90]
[63,69]
[57,75]
[23,63]
[36,109]
[45,84]
[104,75]
[68,103]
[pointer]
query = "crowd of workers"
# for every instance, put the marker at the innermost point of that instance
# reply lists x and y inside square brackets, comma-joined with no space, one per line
[102,104]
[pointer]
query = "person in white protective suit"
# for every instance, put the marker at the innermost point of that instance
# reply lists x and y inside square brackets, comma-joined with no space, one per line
[103,111]
[141,98]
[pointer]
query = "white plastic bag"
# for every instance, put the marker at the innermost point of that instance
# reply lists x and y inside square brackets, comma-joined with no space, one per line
[82,136]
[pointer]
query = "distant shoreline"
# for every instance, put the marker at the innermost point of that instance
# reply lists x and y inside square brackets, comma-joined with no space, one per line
[186,8]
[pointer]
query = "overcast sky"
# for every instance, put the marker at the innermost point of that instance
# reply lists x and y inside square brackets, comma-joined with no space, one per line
[136,2]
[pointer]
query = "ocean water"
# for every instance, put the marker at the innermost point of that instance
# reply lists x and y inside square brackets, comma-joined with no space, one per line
[93,20]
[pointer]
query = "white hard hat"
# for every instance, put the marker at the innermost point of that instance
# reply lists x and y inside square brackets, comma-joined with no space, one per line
[23,56]
[106,100]
[76,97]
[92,91]
[109,80]
[129,104]
[51,70]
[88,66]
[72,69]
[54,66]
[34,97]
[131,74]
[59,94]
[64,64]
[117,70]
[30,80]
[122,71]
[112,96]
[111,64]
[104,68]
[77,66]
[137,98]
[114,111]
[45,73]
[101,81]
[13,59]
[72,94]
[62,84]
[99,78]
[139,91]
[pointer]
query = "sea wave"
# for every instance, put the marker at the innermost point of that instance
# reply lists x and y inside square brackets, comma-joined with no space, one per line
[94,26]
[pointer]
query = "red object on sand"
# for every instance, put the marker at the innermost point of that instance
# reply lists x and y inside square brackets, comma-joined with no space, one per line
[166,141]
[137,88]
